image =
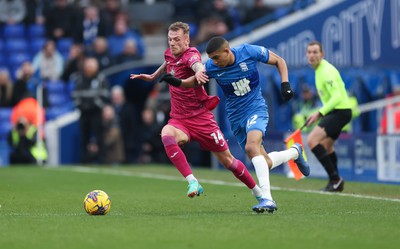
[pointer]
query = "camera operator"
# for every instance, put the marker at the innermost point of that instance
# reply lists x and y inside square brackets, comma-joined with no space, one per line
[22,140]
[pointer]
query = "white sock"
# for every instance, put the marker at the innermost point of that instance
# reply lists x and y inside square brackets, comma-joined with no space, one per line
[190,178]
[262,172]
[279,157]
[256,192]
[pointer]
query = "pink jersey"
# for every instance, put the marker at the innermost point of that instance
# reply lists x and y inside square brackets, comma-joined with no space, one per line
[186,102]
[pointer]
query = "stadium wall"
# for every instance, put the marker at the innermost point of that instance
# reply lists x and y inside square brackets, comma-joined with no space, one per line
[354,33]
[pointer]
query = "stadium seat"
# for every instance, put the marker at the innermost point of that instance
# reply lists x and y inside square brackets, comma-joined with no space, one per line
[16,45]
[282,11]
[54,112]
[1,46]
[56,87]
[16,59]
[36,31]
[4,152]
[301,4]
[5,114]
[2,60]
[12,31]
[64,44]
[36,45]
[58,100]
[5,128]
[394,79]
[193,29]
[13,71]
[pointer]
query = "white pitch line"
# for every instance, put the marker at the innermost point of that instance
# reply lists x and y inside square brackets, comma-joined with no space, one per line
[215,182]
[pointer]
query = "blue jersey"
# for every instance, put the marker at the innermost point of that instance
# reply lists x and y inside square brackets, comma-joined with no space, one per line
[240,83]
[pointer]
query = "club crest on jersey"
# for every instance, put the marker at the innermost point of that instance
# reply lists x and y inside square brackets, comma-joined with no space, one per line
[243,66]
[172,72]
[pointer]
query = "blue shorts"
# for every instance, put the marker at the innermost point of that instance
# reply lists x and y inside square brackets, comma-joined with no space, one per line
[258,120]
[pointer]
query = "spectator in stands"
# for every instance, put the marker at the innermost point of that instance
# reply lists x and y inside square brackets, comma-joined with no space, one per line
[210,26]
[60,20]
[122,33]
[257,10]
[48,62]
[90,95]
[112,137]
[304,107]
[228,13]
[334,114]
[12,11]
[90,26]
[6,89]
[101,53]
[26,83]
[152,149]
[23,143]
[217,17]
[74,62]
[35,11]
[128,118]
[110,10]
[185,10]
[129,53]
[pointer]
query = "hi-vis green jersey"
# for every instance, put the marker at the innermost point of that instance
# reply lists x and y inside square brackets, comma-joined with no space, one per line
[331,88]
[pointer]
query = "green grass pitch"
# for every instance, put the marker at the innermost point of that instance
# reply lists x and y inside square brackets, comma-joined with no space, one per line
[43,208]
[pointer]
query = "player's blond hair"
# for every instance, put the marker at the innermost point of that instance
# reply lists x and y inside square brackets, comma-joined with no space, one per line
[180,25]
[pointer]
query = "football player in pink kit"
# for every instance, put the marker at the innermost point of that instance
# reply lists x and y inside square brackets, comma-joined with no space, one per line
[191,116]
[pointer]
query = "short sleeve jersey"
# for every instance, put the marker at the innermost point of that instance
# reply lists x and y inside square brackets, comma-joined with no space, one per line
[331,88]
[185,102]
[240,81]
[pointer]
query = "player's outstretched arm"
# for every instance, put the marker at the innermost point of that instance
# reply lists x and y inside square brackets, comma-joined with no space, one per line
[280,63]
[150,77]
[173,81]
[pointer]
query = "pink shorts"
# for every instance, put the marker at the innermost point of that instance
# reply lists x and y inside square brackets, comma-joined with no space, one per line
[202,129]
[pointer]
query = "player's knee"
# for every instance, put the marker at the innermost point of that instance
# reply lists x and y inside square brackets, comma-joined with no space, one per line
[251,149]
[228,162]
[225,158]
[168,140]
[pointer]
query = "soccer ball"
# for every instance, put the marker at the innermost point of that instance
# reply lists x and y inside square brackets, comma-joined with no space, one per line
[97,202]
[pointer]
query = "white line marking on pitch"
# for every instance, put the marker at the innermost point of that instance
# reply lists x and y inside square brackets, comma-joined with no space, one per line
[215,182]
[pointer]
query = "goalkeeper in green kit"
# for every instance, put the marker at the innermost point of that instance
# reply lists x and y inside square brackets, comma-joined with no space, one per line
[334,114]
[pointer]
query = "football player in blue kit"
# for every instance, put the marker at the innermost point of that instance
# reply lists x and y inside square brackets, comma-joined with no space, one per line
[235,71]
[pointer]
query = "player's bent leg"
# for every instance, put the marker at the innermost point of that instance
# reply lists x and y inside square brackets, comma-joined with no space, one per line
[194,188]
[300,161]
[176,155]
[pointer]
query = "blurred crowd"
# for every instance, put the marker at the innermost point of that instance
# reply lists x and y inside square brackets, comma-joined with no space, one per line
[70,42]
